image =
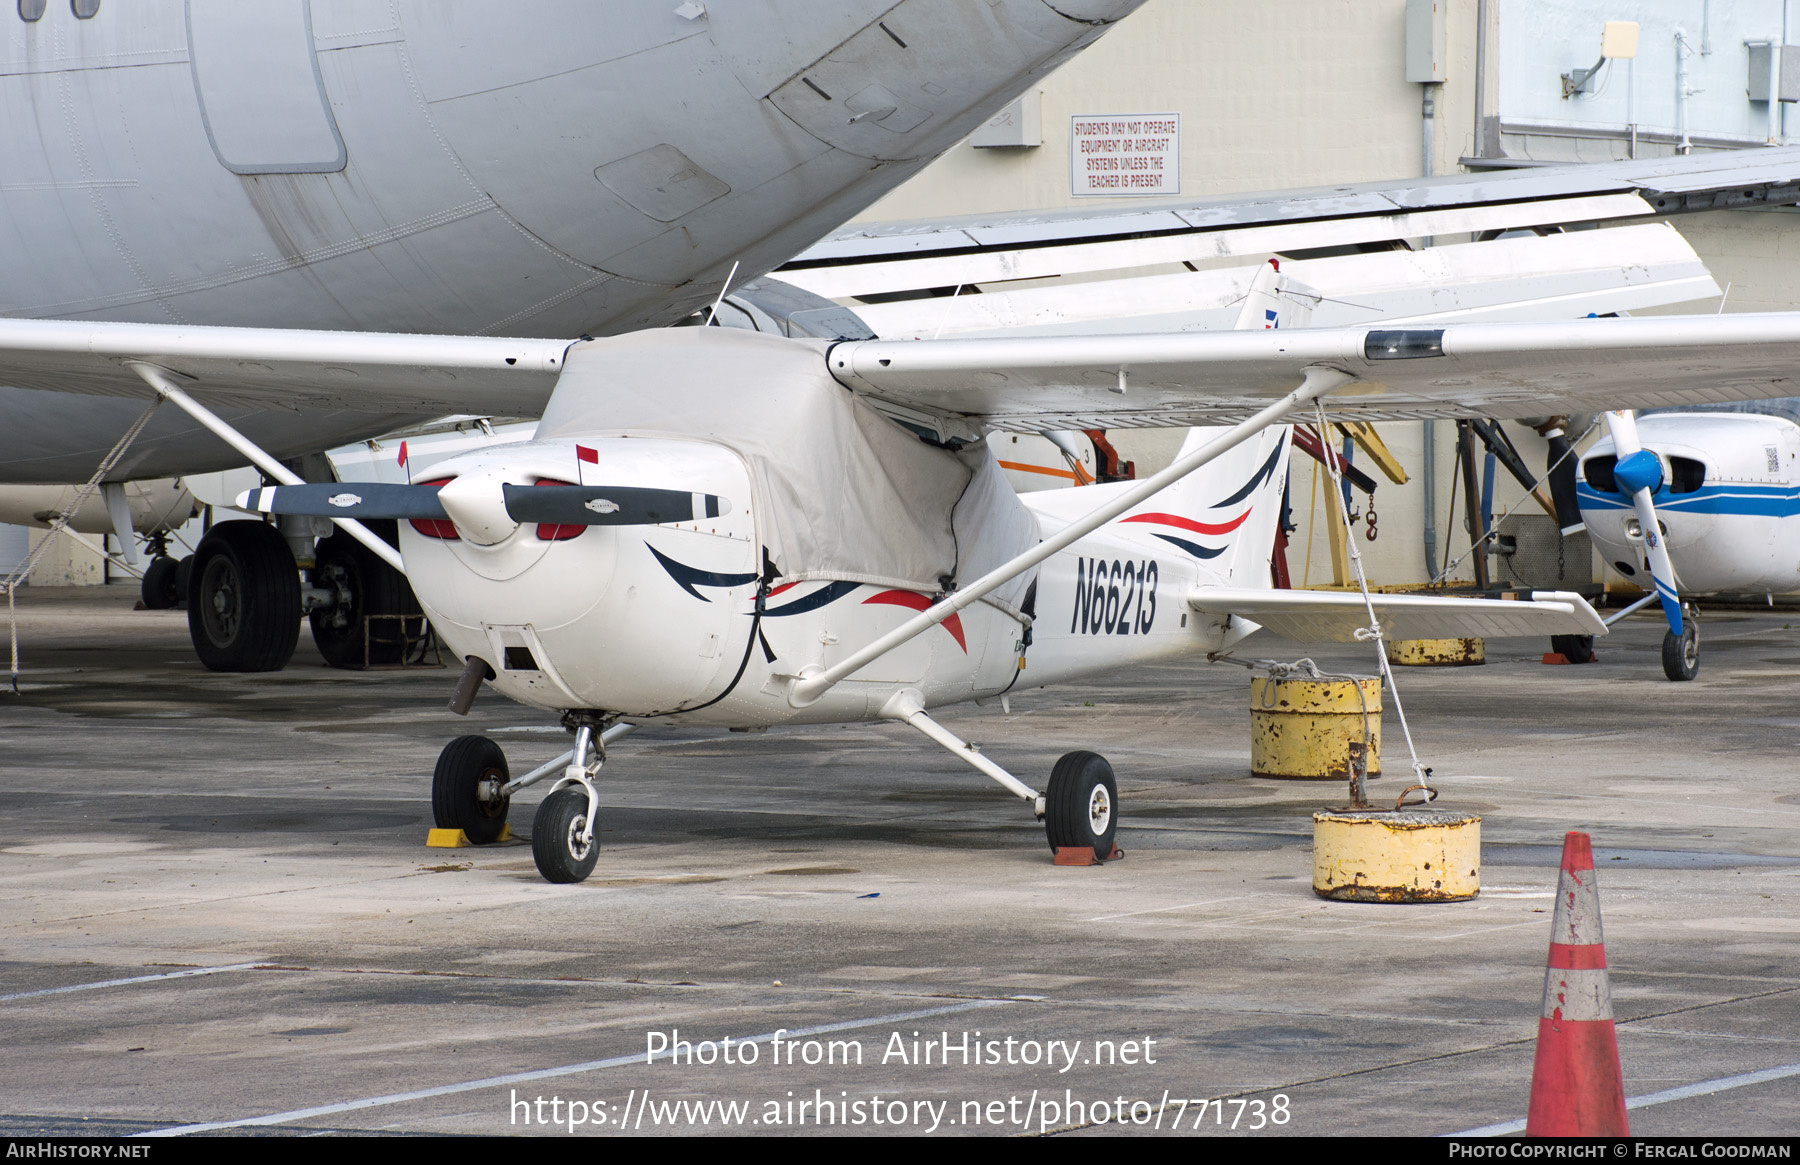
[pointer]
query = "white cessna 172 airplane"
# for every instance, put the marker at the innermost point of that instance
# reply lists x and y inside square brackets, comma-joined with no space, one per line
[1719,493]
[745,530]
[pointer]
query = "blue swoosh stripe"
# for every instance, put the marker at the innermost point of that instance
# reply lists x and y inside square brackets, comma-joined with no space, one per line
[1192,548]
[1734,501]
[687,577]
[830,593]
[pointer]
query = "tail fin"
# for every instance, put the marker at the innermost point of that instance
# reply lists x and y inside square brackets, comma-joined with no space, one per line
[1225,513]
[1275,301]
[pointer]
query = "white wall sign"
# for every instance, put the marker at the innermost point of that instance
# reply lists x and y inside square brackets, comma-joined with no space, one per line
[1124,153]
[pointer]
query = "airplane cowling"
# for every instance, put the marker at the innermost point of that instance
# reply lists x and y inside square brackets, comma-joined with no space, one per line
[634,619]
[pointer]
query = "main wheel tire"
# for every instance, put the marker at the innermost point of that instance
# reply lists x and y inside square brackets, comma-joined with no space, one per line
[371,587]
[456,787]
[161,579]
[1081,804]
[556,843]
[244,598]
[1574,648]
[1681,653]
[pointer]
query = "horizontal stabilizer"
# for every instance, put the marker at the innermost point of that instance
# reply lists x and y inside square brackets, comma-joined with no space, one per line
[1335,616]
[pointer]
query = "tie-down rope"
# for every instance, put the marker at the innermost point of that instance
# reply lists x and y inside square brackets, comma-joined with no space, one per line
[23,570]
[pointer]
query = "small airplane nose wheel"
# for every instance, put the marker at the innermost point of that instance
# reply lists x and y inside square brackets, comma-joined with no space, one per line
[559,842]
[1081,803]
[466,788]
[1681,653]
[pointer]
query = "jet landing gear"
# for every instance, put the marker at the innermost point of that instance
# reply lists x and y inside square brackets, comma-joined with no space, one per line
[471,790]
[1080,809]
[243,598]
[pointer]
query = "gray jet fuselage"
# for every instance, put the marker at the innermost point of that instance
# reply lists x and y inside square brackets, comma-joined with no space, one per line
[550,168]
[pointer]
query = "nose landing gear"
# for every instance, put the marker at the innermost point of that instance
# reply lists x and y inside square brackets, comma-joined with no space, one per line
[1681,653]
[471,790]
[562,834]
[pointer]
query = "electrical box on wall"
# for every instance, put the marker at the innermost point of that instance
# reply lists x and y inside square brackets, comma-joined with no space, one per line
[1425,40]
[1019,125]
[1789,78]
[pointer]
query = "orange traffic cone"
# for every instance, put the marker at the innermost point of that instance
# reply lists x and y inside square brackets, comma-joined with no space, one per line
[1576,1088]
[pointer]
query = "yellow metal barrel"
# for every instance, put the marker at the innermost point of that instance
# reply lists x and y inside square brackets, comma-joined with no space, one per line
[1436,652]
[1409,855]
[1298,727]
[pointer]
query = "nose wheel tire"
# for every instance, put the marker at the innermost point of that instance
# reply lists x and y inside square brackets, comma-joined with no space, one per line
[465,788]
[556,845]
[1681,653]
[1081,804]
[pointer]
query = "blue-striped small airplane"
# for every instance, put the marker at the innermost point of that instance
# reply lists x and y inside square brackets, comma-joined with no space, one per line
[1701,502]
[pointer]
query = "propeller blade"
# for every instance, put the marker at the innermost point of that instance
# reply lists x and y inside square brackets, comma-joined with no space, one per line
[1563,465]
[600,505]
[1638,472]
[354,499]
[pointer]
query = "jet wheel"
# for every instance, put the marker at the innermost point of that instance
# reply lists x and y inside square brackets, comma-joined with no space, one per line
[161,579]
[1081,805]
[465,789]
[556,845]
[1681,653]
[365,586]
[243,599]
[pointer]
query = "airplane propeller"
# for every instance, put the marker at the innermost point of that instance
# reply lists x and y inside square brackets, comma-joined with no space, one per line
[563,505]
[1638,472]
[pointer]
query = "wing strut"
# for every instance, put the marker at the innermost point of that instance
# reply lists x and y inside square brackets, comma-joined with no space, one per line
[1319,380]
[160,380]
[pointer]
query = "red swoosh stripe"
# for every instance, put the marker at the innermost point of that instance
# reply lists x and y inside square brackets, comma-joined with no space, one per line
[919,602]
[1188,523]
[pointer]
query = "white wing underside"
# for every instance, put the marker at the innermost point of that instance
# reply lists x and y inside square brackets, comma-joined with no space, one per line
[1329,617]
[1016,383]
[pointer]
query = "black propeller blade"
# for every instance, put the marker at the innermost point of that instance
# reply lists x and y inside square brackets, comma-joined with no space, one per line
[600,505]
[561,505]
[357,499]
[1563,463]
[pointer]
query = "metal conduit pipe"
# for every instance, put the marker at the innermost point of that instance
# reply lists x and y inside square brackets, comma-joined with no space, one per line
[1429,473]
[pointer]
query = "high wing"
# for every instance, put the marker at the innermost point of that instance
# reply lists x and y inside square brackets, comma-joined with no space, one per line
[1327,617]
[373,371]
[1206,378]
[965,386]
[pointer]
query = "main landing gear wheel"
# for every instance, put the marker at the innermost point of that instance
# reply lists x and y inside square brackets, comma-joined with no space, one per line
[1081,804]
[465,789]
[1681,653]
[244,598]
[1574,648]
[365,585]
[556,845]
[165,582]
